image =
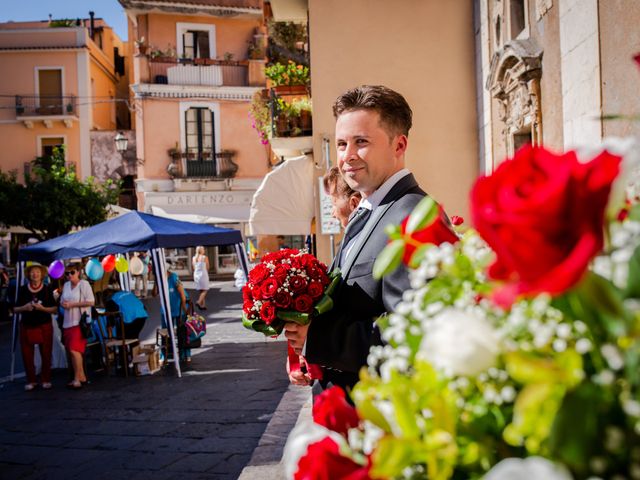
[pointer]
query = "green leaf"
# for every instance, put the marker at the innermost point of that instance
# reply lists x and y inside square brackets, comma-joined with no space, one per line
[393,232]
[576,429]
[392,455]
[292,316]
[389,259]
[419,254]
[423,214]
[633,282]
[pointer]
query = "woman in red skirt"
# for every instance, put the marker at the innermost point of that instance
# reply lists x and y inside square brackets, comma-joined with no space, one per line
[76,298]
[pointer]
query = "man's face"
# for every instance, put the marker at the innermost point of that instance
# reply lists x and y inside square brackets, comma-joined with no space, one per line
[366,155]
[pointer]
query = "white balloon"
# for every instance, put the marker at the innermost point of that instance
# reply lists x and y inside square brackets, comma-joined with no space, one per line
[136,267]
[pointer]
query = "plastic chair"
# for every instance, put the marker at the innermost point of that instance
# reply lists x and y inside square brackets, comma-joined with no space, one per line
[113,343]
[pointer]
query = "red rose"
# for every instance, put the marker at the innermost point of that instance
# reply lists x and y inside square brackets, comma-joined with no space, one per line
[456,220]
[282,299]
[297,284]
[331,410]
[437,232]
[323,461]
[268,312]
[256,292]
[303,303]
[247,306]
[258,273]
[543,216]
[280,272]
[307,260]
[315,272]
[246,293]
[315,290]
[269,287]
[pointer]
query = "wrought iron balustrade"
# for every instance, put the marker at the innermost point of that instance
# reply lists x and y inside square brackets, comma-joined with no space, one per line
[193,165]
[45,105]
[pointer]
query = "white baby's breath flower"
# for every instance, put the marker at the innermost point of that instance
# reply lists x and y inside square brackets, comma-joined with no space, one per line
[460,343]
[508,393]
[613,356]
[559,345]
[583,346]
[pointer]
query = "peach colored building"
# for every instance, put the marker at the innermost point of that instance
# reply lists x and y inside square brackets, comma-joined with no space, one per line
[198,156]
[425,50]
[60,83]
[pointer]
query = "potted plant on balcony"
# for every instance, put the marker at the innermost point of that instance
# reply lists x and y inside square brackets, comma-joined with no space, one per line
[301,108]
[141,46]
[289,79]
[167,56]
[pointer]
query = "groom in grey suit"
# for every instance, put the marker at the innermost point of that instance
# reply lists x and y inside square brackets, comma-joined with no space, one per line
[372,126]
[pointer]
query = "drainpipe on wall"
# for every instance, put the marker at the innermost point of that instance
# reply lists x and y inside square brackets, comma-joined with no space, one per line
[92,24]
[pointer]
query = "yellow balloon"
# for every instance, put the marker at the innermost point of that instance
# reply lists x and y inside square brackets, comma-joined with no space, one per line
[122,265]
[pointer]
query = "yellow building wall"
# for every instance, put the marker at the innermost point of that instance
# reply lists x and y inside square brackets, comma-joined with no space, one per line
[20,144]
[424,49]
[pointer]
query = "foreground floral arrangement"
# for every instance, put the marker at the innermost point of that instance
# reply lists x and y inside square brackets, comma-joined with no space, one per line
[520,340]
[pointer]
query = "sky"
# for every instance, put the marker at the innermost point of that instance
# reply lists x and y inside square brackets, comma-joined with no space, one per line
[23,10]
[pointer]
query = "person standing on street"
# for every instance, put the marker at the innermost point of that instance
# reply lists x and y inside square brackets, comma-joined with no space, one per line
[35,306]
[372,128]
[200,263]
[76,298]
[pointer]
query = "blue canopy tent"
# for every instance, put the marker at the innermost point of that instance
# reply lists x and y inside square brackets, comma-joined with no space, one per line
[134,231]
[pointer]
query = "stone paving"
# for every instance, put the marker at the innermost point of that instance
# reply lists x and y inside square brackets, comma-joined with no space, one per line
[206,424]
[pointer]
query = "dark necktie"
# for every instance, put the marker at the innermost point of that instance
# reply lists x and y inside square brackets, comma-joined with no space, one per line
[354,227]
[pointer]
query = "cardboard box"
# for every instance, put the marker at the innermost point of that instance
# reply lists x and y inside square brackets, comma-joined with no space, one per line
[146,359]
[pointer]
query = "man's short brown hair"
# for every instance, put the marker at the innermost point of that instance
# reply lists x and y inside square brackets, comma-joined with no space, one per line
[333,182]
[395,113]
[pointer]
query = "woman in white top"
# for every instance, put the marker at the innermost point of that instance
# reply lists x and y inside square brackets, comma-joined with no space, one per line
[200,264]
[76,298]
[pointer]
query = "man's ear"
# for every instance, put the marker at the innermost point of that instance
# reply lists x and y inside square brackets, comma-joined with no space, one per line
[354,200]
[401,144]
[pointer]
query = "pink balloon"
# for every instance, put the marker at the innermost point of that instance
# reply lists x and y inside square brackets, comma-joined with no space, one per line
[56,269]
[109,263]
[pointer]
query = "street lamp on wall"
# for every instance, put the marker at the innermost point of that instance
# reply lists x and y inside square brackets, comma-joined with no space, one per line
[121,143]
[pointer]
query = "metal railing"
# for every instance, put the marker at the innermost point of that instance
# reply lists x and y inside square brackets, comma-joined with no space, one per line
[215,73]
[192,165]
[45,105]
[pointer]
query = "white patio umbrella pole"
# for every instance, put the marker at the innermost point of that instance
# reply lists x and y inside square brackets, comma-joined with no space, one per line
[160,271]
[16,317]
[242,258]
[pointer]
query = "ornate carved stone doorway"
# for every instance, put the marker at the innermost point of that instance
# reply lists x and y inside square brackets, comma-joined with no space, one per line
[514,81]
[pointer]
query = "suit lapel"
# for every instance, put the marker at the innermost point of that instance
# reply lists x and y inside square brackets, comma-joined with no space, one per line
[398,190]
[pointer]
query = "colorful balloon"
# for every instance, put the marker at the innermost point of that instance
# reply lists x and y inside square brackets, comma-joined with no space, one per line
[109,263]
[94,269]
[136,267]
[122,265]
[56,269]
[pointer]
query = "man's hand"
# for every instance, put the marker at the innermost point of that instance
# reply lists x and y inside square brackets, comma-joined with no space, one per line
[296,334]
[297,377]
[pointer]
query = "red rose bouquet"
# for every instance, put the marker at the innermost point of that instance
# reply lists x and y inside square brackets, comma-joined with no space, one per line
[287,286]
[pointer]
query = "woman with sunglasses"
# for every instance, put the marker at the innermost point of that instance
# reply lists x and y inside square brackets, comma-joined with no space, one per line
[76,298]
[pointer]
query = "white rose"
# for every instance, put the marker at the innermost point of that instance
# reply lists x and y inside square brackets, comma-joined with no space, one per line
[531,468]
[459,343]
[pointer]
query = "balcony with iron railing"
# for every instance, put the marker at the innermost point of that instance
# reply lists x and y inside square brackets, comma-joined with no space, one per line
[45,106]
[201,72]
[204,165]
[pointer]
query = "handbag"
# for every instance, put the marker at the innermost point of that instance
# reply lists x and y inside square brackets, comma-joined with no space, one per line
[85,325]
[196,327]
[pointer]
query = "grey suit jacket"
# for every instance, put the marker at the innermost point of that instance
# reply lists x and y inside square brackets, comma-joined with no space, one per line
[341,338]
